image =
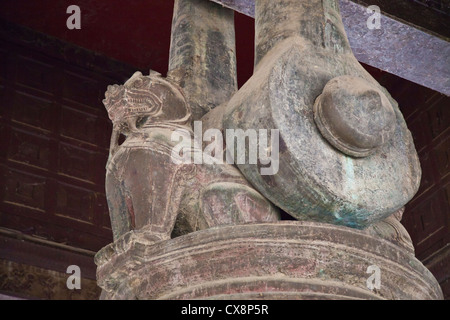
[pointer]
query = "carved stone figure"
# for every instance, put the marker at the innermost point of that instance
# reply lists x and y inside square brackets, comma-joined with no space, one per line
[147,190]
[346,157]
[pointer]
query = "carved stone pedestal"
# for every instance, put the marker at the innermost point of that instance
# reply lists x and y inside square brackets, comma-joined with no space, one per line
[283,260]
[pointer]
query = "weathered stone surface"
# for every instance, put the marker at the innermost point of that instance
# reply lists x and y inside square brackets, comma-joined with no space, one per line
[284,260]
[147,190]
[390,229]
[203,54]
[346,157]
[301,47]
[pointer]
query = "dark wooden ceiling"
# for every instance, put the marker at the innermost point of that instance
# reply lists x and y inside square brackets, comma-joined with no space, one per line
[137,32]
[134,32]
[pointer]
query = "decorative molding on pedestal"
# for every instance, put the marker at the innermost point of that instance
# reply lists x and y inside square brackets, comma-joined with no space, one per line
[284,260]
